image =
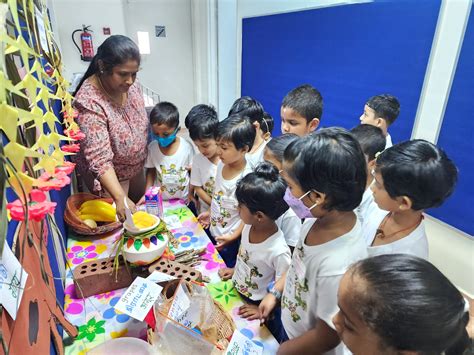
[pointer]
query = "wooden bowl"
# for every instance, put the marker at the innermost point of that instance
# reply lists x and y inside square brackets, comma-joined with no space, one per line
[72,219]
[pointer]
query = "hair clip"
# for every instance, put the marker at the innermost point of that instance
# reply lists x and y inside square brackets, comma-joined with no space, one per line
[377,154]
[466,306]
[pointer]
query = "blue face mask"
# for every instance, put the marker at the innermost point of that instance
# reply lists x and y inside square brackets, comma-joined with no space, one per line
[166,141]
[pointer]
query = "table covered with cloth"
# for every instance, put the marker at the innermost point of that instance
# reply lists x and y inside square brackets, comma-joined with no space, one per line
[96,317]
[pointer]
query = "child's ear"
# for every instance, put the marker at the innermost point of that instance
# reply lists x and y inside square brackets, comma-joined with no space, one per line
[371,164]
[267,136]
[260,215]
[317,197]
[405,203]
[313,124]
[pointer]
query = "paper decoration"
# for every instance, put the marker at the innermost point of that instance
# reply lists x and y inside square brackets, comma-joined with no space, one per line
[241,345]
[8,121]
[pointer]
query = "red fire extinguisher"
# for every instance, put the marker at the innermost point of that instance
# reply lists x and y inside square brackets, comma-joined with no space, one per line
[87,52]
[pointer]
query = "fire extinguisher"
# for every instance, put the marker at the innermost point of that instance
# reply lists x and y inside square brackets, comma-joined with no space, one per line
[87,52]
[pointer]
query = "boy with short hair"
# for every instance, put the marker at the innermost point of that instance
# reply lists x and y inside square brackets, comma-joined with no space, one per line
[372,142]
[381,111]
[301,110]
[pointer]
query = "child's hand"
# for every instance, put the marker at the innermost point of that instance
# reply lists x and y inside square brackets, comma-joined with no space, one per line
[249,311]
[223,241]
[141,201]
[266,306]
[205,219]
[226,273]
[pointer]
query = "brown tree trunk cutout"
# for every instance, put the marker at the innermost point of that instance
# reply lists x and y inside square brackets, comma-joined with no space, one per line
[39,314]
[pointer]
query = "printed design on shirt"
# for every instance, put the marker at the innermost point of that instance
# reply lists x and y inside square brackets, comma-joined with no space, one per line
[173,179]
[219,218]
[246,288]
[208,186]
[300,288]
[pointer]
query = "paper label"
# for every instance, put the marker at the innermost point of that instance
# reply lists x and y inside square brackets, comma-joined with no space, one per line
[241,345]
[139,298]
[157,276]
[241,272]
[180,306]
[228,203]
[12,281]
[171,179]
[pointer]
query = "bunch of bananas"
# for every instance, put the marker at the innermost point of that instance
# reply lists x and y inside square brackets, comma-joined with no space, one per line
[97,210]
[143,220]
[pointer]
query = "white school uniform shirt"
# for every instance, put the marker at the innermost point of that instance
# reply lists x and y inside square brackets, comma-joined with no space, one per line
[203,175]
[256,157]
[416,243]
[366,205]
[290,225]
[224,213]
[258,264]
[313,279]
[388,141]
[171,172]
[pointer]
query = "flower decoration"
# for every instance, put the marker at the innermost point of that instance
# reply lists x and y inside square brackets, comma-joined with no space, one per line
[75,134]
[213,258]
[71,148]
[37,204]
[186,239]
[67,167]
[105,295]
[47,182]
[71,304]
[91,329]
[84,251]
[112,312]
[225,293]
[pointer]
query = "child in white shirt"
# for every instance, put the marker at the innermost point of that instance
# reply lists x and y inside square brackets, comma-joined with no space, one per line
[326,176]
[288,222]
[263,255]
[169,157]
[235,136]
[202,125]
[381,111]
[372,142]
[409,178]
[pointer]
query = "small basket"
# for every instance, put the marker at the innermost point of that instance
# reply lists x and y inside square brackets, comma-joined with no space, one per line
[71,218]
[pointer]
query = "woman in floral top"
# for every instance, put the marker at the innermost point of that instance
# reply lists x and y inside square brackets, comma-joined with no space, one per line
[111,113]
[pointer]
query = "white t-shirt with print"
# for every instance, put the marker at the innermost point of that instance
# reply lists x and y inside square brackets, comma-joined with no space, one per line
[366,205]
[171,172]
[203,175]
[224,213]
[388,141]
[290,225]
[313,279]
[415,243]
[258,264]
[256,157]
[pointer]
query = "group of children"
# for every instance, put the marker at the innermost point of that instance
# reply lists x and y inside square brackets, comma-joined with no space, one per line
[291,214]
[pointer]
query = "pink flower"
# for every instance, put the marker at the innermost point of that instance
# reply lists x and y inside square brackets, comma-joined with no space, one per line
[38,207]
[213,258]
[73,115]
[47,182]
[67,167]
[78,253]
[75,134]
[71,148]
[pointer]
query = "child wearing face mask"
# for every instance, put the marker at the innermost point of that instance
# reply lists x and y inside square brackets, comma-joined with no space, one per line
[169,157]
[326,177]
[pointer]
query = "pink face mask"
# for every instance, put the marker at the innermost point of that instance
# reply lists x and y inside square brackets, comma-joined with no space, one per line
[297,205]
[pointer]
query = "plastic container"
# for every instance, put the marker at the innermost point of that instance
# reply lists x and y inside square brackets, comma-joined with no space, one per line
[123,346]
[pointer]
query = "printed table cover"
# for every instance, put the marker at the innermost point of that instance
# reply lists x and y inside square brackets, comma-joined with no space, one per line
[96,317]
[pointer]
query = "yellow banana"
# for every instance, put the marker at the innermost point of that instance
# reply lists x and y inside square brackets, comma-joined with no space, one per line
[99,210]
[96,204]
[96,218]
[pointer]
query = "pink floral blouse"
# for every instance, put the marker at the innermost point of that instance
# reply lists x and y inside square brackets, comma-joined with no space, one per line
[115,136]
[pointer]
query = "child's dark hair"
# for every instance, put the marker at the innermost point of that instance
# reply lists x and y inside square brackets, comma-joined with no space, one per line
[249,107]
[417,169]
[237,129]
[278,144]
[370,138]
[201,111]
[202,122]
[430,318]
[306,101]
[267,123]
[165,113]
[385,106]
[263,190]
[329,161]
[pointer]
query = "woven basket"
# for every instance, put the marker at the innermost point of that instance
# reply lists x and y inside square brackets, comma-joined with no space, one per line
[71,218]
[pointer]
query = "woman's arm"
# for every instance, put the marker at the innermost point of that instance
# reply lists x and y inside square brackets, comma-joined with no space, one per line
[110,182]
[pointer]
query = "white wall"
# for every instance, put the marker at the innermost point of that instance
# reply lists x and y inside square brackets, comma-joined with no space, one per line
[451,250]
[72,14]
[169,69]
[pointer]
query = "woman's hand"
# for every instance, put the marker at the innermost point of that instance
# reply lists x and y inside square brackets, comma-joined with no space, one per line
[120,207]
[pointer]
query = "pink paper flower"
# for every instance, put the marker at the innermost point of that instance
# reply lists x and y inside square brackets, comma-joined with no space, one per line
[75,134]
[67,167]
[47,182]
[71,148]
[38,207]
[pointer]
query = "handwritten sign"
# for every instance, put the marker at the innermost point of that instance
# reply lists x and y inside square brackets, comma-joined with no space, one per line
[241,345]
[179,308]
[139,298]
[12,281]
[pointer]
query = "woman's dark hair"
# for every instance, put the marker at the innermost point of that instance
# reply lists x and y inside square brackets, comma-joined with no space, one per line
[370,138]
[249,107]
[329,161]
[278,145]
[263,190]
[165,113]
[237,129]
[417,169]
[410,304]
[202,122]
[115,50]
